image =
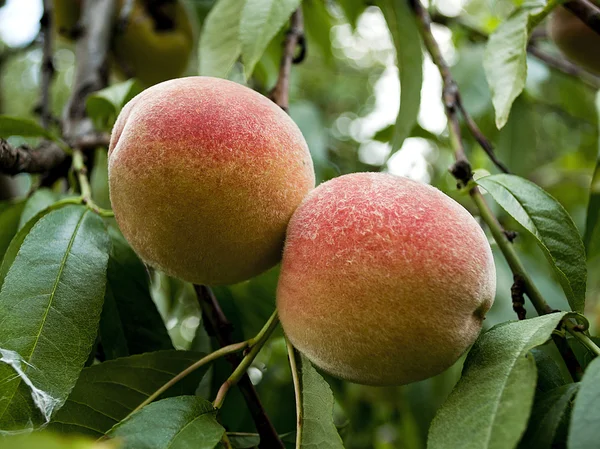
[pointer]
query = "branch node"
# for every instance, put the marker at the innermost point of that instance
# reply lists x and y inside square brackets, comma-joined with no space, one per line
[517,292]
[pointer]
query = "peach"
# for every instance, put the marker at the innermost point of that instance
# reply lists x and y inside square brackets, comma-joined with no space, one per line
[575,39]
[384,280]
[204,175]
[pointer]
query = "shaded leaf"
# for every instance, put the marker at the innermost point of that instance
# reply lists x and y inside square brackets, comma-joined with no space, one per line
[9,225]
[24,127]
[552,371]
[51,299]
[352,10]
[583,354]
[409,56]
[176,423]
[106,393]
[552,227]
[104,105]
[490,405]
[316,428]
[220,44]
[550,410]
[505,59]
[584,432]
[260,21]
[130,321]
[317,27]
[592,225]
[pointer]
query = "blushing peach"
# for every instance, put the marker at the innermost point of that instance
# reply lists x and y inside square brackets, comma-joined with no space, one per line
[384,280]
[204,176]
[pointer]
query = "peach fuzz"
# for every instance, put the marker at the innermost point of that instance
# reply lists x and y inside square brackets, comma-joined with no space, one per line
[204,175]
[384,280]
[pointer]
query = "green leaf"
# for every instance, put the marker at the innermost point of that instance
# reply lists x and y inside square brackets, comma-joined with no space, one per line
[551,226]
[104,105]
[51,299]
[592,225]
[584,432]
[9,225]
[18,126]
[409,55]
[15,244]
[46,440]
[352,10]
[550,412]
[490,405]
[317,27]
[106,393]
[176,423]
[552,371]
[260,21]
[505,59]
[130,321]
[40,200]
[220,44]
[582,352]
[316,428]
[244,441]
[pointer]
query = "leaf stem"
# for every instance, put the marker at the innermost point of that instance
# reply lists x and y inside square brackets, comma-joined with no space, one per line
[254,346]
[580,335]
[297,391]
[84,184]
[236,347]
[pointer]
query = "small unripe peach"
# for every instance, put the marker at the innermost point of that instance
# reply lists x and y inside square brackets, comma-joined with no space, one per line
[384,280]
[204,176]
[575,39]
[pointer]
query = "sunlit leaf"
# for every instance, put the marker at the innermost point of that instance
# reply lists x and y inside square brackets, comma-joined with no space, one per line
[54,309]
[409,55]
[490,405]
[176,423]
[259,23]
[106,393]
[551,226]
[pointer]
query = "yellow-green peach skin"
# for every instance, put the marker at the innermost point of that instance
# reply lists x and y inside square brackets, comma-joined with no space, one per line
[204,176]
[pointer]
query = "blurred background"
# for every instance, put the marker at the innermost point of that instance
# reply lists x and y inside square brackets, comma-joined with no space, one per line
[345,98]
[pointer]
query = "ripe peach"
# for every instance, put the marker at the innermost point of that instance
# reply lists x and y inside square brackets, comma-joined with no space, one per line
[575,39]
[204,175]
[384,280]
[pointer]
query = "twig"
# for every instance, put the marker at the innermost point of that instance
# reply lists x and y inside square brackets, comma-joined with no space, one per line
[254,347]
[517,292]
[47,64]
[190,369]
[91,72]
[125,15]
[459,170]
[218,325]
[294,37]
[555,62]
[297,391]
[453,104]
[587,12]
[564,66]
[25,159]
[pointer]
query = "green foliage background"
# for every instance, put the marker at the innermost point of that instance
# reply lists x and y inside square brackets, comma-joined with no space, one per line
[550,138]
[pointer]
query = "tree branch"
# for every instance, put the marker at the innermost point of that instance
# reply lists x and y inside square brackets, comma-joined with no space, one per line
[453,104]
[557,63]
[295,37]
[587,12]
[91,73]
[564,66]
[219,326]
[25,159]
